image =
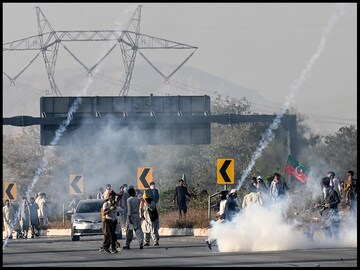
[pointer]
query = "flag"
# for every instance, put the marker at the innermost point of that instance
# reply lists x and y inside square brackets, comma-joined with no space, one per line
[295,169]
[183,177]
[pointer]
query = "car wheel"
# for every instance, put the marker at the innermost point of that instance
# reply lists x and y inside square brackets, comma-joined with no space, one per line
[74,237]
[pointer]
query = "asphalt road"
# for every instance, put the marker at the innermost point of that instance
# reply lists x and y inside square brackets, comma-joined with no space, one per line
[178,251]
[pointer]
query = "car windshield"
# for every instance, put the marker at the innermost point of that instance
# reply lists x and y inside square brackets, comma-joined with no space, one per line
[89,207]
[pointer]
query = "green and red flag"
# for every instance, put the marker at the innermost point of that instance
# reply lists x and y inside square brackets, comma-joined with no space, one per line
[295,169]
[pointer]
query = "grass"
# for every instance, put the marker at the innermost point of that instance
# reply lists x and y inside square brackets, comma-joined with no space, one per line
[195,218]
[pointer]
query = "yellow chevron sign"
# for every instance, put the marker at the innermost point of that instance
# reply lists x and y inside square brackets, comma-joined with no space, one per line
[225,171]
[9,191]
[144,176]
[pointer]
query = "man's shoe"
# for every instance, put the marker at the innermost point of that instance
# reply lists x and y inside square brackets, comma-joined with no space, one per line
[126,247]
[114,251]
[107,251]
[118,244]
[208,244]
[141,246]
[101,249]
[146,244]
[156,243]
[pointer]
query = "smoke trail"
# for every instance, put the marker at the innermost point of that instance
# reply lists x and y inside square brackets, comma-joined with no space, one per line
[58,133]
[294,87]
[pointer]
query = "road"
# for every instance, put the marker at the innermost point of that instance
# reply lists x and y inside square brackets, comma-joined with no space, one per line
[174,251]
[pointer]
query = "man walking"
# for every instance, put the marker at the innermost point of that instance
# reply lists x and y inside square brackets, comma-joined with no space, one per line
[34,220]
[133,221]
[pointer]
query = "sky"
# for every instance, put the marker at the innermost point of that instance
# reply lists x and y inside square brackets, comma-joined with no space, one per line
[261,46]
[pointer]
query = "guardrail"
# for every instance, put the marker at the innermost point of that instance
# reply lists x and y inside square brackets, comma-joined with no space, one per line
[214,205]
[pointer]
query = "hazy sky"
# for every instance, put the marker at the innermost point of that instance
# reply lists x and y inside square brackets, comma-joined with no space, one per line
[264,47]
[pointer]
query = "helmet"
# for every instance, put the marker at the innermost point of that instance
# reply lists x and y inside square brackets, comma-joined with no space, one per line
[145,195]
[233,191]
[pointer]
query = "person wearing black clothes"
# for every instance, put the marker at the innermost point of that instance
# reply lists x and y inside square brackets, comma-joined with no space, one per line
[180,198]
[231,205]
[329,210]
[34,220]
[153,193]
[253,185]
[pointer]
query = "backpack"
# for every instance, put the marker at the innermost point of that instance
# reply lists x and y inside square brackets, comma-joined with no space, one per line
[154,215]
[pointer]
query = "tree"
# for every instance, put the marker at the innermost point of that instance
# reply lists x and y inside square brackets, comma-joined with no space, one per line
[341,150]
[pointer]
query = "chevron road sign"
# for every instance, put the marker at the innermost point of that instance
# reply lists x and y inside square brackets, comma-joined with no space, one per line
[9,191]
[225,171]
[76,184]
[144,175]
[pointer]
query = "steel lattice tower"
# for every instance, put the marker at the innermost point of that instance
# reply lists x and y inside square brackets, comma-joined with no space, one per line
[130,42]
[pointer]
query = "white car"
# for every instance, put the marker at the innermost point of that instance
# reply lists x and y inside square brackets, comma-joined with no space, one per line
[86,219]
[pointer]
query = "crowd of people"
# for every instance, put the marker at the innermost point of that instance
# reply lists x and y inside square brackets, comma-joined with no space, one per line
[333,192]
[136,211]
[133,210]
[30,215]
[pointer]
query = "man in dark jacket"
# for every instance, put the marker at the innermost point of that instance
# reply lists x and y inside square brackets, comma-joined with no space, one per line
[329,210]
[153,193]
[180,198]
[231,206]
[34,220]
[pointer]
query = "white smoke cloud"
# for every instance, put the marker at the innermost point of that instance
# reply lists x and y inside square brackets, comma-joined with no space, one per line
[266,228]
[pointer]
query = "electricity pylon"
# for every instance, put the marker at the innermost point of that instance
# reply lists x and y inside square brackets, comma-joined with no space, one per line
[48,40]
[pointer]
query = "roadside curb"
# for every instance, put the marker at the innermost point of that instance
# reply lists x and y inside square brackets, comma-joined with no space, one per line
[162,232]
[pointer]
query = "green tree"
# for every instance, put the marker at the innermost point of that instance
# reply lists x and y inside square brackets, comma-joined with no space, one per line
[340,150]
